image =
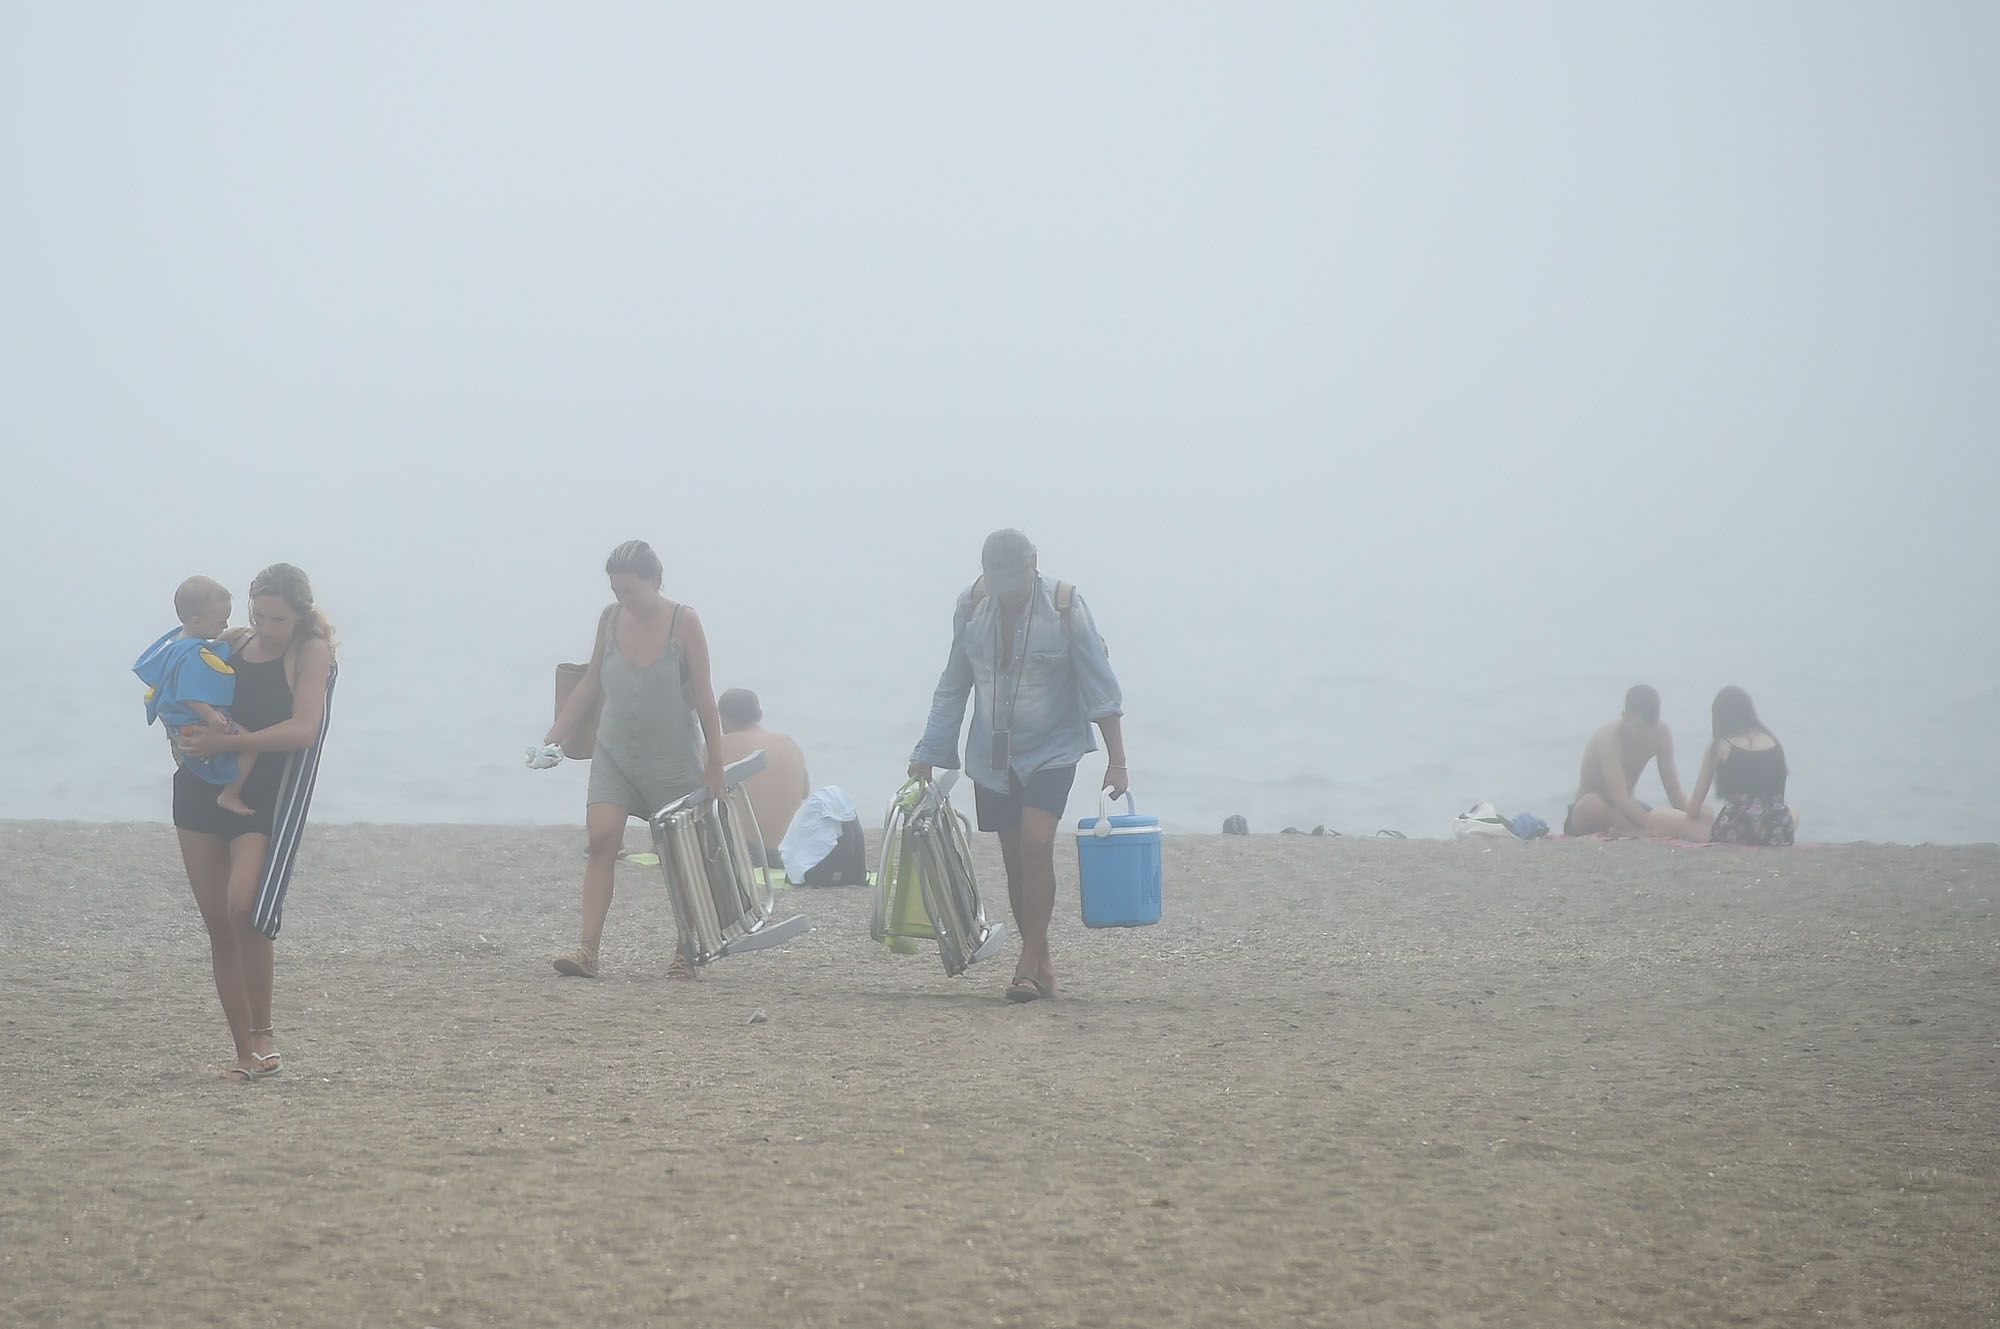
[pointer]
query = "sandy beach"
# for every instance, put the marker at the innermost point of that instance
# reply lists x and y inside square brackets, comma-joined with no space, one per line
[1345,1082]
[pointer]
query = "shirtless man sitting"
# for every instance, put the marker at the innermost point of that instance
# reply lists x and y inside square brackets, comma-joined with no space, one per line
[1616,757]
[777,790]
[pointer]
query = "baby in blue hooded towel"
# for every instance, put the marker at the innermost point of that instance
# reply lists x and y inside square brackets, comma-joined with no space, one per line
[189,680]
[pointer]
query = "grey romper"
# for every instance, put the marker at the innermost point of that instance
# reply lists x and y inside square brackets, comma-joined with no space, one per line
[648,754]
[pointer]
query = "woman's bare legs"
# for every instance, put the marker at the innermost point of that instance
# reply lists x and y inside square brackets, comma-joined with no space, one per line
[1671,824]
[254,950]
[207,860]
[604,824]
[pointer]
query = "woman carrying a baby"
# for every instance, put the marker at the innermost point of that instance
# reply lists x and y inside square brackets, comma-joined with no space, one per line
[282,669]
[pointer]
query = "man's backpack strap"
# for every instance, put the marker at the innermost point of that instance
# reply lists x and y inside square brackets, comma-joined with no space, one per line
[1065,597]
[977,594]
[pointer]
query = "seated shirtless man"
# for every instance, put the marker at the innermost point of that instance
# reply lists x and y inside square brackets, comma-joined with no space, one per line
[777,790]
[1616,757]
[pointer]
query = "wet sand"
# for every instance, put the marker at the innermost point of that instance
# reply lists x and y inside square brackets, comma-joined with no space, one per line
[1345,1082]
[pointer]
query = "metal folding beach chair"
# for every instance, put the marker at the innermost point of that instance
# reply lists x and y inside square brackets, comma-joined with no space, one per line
[723,905]
[925,890]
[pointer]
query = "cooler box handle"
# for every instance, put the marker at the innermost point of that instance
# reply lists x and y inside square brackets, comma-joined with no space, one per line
[1103,828]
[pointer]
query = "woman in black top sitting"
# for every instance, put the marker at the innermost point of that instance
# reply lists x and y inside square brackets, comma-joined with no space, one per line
[1746,763]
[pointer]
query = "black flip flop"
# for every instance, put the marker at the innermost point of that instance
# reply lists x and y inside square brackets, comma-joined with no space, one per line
[1024,988]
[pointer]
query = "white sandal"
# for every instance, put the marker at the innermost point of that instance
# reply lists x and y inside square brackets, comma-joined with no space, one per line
[272,1061]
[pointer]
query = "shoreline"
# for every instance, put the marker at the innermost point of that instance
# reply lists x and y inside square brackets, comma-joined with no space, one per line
[873,830]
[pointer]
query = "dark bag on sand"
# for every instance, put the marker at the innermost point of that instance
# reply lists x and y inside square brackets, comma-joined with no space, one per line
[847,865]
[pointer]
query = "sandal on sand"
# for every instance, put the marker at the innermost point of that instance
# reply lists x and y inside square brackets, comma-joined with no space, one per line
[1024,988]
[244,1075]
[682,970]
[272,1061]
[578,963]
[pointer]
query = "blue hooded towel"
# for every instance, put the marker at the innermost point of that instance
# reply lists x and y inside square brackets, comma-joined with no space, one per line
[178,670]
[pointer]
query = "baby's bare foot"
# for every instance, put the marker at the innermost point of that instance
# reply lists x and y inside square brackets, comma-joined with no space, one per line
[229,802]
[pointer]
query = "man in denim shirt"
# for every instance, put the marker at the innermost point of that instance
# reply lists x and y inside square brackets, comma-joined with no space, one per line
[1038,676]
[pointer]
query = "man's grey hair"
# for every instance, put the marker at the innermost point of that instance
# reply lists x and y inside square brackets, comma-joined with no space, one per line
[1007,551]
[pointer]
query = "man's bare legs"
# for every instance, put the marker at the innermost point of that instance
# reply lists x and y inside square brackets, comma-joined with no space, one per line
[1594,815]
[207,860]
[1591,815]
[1030,855]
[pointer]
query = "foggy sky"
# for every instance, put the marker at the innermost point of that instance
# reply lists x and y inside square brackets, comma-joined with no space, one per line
[1602,340]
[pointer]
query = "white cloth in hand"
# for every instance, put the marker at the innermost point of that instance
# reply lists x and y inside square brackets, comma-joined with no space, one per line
[541,756]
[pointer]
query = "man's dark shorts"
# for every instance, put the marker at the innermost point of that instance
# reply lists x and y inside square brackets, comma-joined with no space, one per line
[1046,791]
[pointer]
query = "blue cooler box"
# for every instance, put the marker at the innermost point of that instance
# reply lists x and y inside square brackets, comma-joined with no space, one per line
[1118,868]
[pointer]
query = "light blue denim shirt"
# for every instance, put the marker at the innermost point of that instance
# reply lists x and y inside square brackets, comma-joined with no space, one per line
[1054,679]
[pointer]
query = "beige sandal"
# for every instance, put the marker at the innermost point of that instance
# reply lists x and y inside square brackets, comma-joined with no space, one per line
[578,963]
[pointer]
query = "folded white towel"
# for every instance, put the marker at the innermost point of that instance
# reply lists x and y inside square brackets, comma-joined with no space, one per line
[541,756]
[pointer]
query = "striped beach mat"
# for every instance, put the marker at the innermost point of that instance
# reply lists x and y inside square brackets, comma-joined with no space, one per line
[288,825]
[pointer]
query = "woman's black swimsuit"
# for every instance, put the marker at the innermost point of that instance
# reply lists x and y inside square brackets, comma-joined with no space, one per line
[263,698]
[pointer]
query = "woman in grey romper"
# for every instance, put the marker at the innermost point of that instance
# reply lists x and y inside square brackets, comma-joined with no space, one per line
[650,667]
